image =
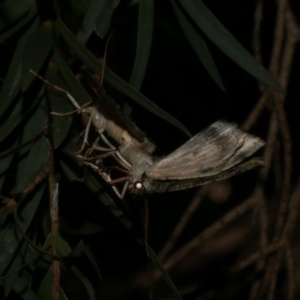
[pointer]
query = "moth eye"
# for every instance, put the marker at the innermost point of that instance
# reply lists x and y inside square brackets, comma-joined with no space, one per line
[138,185]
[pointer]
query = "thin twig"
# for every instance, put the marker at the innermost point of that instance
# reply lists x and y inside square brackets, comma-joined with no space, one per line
[206,234]
[290,263]
[53,190]
[182,223]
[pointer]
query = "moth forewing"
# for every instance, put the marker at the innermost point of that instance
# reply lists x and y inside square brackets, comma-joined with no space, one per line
[162,186]
[215,149]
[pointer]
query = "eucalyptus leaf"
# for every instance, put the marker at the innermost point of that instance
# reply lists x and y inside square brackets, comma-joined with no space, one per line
[95,188]
[75,88]
[36,51]
[69,165]
[95,10]
[79,8]
[22,288]
[220,36]
[17,116]
[4,165]
[86,283]
[103,22]
[60,124]
[35,162]
[12,80]
[9,232]
[18,260]
[94,64]
[44,261]
[36,122]
[16,148]
[62,246]
[164,272]
[144,41]
[89,254]
[199,46]
[13,10]
[45,289]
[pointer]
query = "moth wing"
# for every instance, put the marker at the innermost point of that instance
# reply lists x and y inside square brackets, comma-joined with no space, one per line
[215,149]
[162,186]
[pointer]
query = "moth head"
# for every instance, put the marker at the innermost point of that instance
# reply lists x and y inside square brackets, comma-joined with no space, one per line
[138,185]
[137,188]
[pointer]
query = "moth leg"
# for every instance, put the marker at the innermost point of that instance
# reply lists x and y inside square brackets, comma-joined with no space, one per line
[115,154]
[106,141]
[77,110]
[121,170]
[122,161]
[96,147]
[85,138]
[106,177]
[69,96]
[113,183]
[124,189]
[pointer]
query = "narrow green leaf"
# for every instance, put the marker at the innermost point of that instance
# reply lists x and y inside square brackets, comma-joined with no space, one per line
[13,10]
[23,254]
[144,41]
[85,282]
[77,250]
[164,272]
[16,148]
[32,12]
[75,88]
[96,8]
[103,22]
[220,36]
[113,79]
[10,234]
[96,188]
[4,165]
[89,254]
[36,51]
[35,162]
[199,46]
[17,116]
[11,84]
[36,122]
[71,170]
[45,289]
[58,104]
[62,245]
[79,8]
[69,164]
[60,124]
[44,261]
[22,288]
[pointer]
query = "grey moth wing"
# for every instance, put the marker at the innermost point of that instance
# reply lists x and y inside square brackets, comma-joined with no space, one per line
[163,186]
[215,149]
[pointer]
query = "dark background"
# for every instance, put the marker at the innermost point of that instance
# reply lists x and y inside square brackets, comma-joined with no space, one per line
[176,81]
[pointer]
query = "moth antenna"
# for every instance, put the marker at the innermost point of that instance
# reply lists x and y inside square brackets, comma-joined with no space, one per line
[105,55]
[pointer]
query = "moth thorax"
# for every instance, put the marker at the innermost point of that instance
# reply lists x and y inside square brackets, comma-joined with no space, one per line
[138,159]
[99,121]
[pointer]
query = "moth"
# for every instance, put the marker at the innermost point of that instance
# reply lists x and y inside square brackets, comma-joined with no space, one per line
[220,151]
